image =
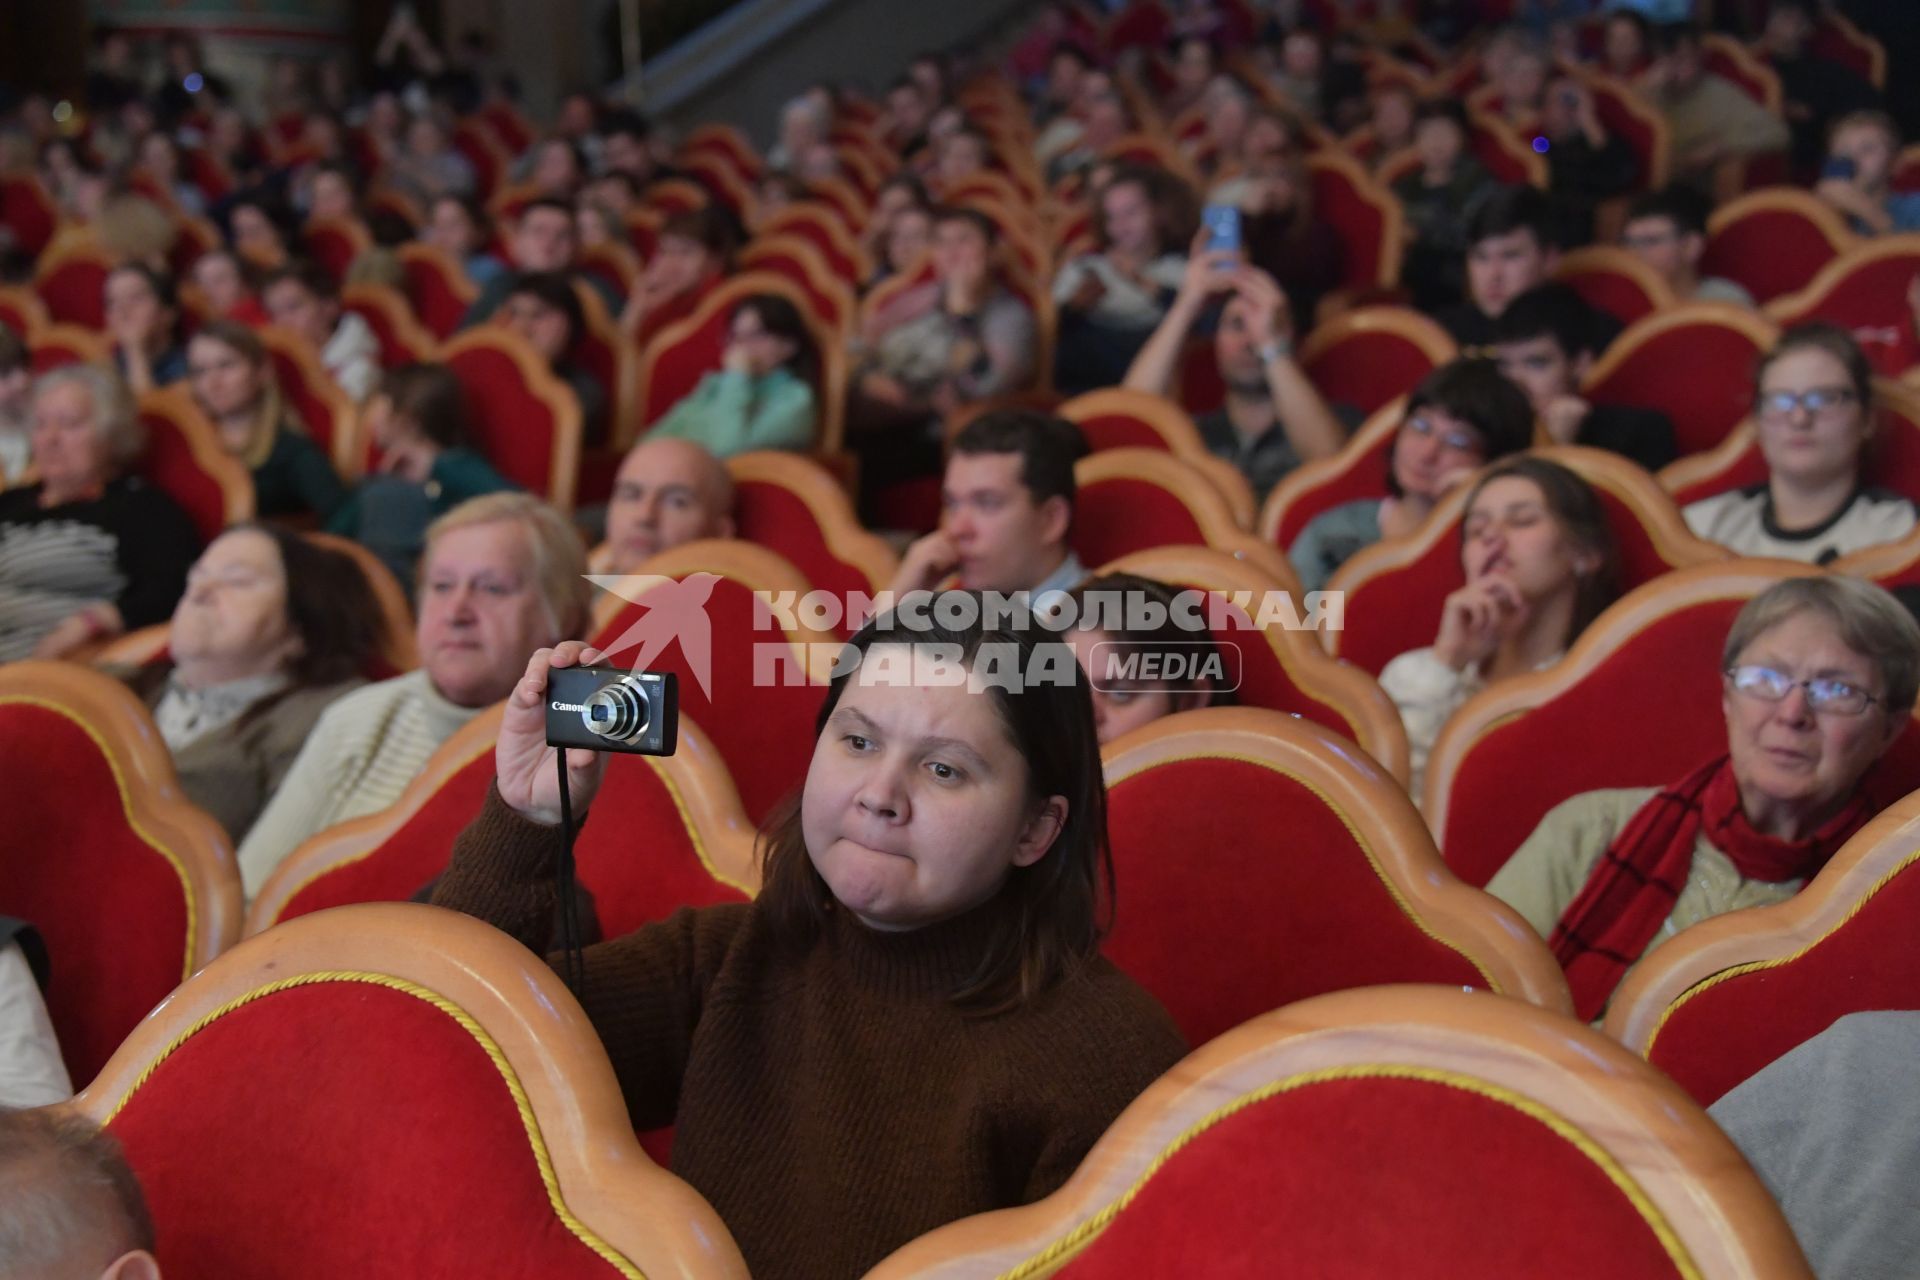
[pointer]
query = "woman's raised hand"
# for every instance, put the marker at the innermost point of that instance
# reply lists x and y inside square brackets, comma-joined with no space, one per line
[523,762]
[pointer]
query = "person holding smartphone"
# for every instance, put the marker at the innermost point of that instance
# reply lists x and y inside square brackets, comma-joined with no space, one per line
[1857,177]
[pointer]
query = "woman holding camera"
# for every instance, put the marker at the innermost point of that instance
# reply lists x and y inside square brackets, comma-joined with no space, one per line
[911,1023]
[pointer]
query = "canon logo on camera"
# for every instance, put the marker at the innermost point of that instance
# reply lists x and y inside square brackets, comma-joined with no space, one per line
[565,706]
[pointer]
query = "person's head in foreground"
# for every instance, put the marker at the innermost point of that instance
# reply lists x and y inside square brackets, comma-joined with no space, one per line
[70,1207]
[668,492]
[264,602]
[1007,499]
[1137,673]
[502,576]
[926,800]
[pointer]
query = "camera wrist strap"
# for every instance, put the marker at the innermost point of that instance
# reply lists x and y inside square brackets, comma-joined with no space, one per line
[575,970]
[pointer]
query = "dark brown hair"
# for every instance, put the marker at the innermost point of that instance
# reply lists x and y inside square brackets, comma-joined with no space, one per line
[433,398]
[1175,215]
[1573,505]
[1052,915]
[1836,342]
[330,606]
[67,1183]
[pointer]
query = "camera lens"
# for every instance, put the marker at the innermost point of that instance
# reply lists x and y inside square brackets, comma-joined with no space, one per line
[618,711]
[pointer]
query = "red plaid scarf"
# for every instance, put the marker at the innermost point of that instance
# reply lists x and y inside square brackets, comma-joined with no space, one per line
[1630,894]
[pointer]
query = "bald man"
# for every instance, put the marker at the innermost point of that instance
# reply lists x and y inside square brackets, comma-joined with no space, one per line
[70,1208]
[668,492]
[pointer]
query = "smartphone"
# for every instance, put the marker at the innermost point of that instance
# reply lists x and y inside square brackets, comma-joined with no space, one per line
[1223,228]
[1841,167]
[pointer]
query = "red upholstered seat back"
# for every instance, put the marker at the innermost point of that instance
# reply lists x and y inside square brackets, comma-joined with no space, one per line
[811,225]
[440,301]
[1662,677]
[682,362]
[637,856]
[773,516]
[1201,388]
[1718,1036]
[1614,292]
[169,465]
[835,308]
[1398,610]
[112,906]
[1365,478]
[20,311]
[75,291]
[417,1159]
[508,423]
[1749,468]
[489,169]
[1360,217]
[1771,252]
[1261,679]
[310,402]
[1614,103]
[333,247]
[765,735]
[1118,516]
[1118,430]
[1870,299]
[28,212]
[1143,24]
[1699,374]
[396,348]
[57,348]
[1368,369]
[1291,1176]
[1221,924]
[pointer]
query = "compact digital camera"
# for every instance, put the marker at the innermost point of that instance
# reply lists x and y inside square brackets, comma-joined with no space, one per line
[606,709]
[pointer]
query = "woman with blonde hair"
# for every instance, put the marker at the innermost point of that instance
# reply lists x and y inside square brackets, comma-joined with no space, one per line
[232,379]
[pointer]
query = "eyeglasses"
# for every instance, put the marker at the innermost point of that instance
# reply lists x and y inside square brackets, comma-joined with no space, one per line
[1817,401]
[1456,439]
[1823,694]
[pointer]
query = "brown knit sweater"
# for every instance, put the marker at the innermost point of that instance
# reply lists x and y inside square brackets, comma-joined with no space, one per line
[832,1106]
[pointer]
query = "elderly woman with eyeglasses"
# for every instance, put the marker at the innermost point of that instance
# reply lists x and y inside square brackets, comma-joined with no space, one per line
[1462,416]
[1813,409]
[1819,677]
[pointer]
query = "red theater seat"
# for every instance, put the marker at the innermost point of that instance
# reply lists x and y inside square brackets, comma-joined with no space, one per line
[1692,362]
[1396,1131]
[1136,499]
[1864,290]
[327,412]
[1615,281]
[1773,242]
[1275,666]
[1307,871]
[403,339]
[70,276]
[758,709]
[393,1091]
[437,287]
[131,887]
[1365,214]
[524,419]
[1117,418]
[55,345]
[185,460]
[1395,589]
[796,259]
[667,832]
[333,243]
[1641,695]
[1714,1004]
[28,212]
[825,231]
[792,506]
[1358,471]
[1368,357]
[23,312]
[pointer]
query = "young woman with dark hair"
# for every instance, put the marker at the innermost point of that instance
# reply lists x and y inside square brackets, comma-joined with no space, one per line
[762,396]
[912,1022]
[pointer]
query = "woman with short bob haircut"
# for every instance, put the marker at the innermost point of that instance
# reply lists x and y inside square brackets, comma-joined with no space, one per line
[1818,678]
[912,1022]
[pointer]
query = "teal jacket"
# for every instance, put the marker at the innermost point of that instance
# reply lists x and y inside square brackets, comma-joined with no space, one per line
[389,516]
[733,413]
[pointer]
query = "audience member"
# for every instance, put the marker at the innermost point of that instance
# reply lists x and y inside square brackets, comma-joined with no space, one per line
[1511,249]
[1667,230]
[220,280]
[418,422]
[430,166]
[304,300]
[142,317]
[1006,510]
[232,379]
[16,409]
[503,576]
[542,239]
[272,629]
[1540,565]
[1857,179]
[1545,347]
[1110,300]
[1279,225]
[1440,199]
[668,492]
[69,1204]
[1392,110]
[925,945]
[260,228]
[1815,92]
[1586,163]
[1626,45]
[459,228]
[1819,676]
[32,1072]
[762,396]
[1273,418]
[544,310]
[1709,118]
[1462,416]
[89,552]
[1103,641]
[693,255]
[1814,416]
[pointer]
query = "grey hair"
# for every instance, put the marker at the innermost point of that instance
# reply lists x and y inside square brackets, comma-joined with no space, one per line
[558,557]
[65,1190]
[1870,621]
[116,417]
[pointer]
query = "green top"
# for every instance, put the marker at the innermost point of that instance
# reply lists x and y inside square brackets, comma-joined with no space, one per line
[389,515]
[733,413]
[296,478]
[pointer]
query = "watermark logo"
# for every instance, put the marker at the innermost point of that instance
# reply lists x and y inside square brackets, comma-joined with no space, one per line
[671,609]
[1201,666]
